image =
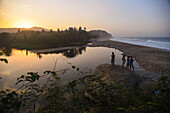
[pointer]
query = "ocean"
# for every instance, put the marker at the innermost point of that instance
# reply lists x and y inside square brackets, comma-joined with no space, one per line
[155,42]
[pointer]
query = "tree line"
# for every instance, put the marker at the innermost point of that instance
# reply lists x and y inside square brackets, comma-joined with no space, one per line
[28,39]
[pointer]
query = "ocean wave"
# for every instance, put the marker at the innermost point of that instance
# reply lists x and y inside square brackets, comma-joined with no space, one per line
[145,42]
[153,41]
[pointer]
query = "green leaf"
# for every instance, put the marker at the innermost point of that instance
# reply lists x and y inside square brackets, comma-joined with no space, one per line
[73,67]
[54,73]
[4,60]
[28,78]
[22,76]
[37,77]
[47,72]
[121,109]
[57,78]
[151,103]
[19,82]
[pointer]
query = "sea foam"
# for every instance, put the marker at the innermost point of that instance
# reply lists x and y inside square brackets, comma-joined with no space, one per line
[161,43]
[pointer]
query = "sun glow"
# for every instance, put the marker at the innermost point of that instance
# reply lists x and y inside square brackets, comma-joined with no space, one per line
[24,24]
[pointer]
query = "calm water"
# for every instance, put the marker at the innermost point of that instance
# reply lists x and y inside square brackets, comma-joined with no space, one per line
[22,61]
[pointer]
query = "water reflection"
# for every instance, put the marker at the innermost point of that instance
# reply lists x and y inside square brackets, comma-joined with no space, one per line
[70,53]
[74,52]
[6,51]
[39,55]
[23,61]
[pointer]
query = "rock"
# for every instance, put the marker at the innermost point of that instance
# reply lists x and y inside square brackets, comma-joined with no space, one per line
[100,35]
[128,78]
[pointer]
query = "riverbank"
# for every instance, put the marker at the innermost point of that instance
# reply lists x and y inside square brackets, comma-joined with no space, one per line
[55,49]
[151,59]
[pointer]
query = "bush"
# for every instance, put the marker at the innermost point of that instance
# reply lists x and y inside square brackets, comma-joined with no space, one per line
[86,94]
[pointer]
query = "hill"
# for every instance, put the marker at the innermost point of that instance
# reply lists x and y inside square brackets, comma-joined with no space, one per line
[15,30]
[100,34]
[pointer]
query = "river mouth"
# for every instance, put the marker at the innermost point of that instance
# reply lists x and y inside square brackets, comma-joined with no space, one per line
[84,58]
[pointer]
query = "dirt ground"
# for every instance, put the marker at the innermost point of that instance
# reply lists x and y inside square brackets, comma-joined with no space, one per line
[151,59]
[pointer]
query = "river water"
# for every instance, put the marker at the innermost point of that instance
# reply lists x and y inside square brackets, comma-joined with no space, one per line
[21,61]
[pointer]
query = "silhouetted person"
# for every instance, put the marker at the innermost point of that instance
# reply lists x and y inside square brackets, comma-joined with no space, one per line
[26,52]
[113,58]
[131,63]
[128,62]
[123,60]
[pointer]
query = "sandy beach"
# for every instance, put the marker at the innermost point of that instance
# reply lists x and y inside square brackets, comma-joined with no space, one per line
[151,59]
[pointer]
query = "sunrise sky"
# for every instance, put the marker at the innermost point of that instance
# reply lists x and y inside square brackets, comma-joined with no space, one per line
[121,18]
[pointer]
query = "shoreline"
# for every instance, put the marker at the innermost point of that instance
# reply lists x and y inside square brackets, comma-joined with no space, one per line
[164,48]
[55,49]
[152,59]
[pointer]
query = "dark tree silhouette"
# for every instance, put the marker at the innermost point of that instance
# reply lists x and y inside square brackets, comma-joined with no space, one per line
[75,29]
[58,30]
[51,30]
[29,39]
[7,51]
[80,29]
[70,29]
[43,30]
[84,28]
[4,39]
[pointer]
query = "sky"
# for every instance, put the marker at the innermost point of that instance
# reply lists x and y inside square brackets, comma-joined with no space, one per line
[121,18]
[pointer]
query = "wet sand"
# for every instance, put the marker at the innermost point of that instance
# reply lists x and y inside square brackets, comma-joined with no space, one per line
[151,59]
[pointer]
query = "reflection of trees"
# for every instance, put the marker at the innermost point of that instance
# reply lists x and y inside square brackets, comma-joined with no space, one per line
[6,51]
[74,52]
[39,55]
[71,53]
[4,39]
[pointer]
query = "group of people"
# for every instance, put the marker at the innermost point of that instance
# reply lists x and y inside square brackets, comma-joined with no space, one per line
[129,64]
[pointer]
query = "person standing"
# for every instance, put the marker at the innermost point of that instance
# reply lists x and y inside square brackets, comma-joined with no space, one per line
[113,58]
[131,63]
[123,60]
[128,62]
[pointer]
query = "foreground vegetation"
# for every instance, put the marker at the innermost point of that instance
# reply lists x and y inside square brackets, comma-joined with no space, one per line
[86,94]
[45,39]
